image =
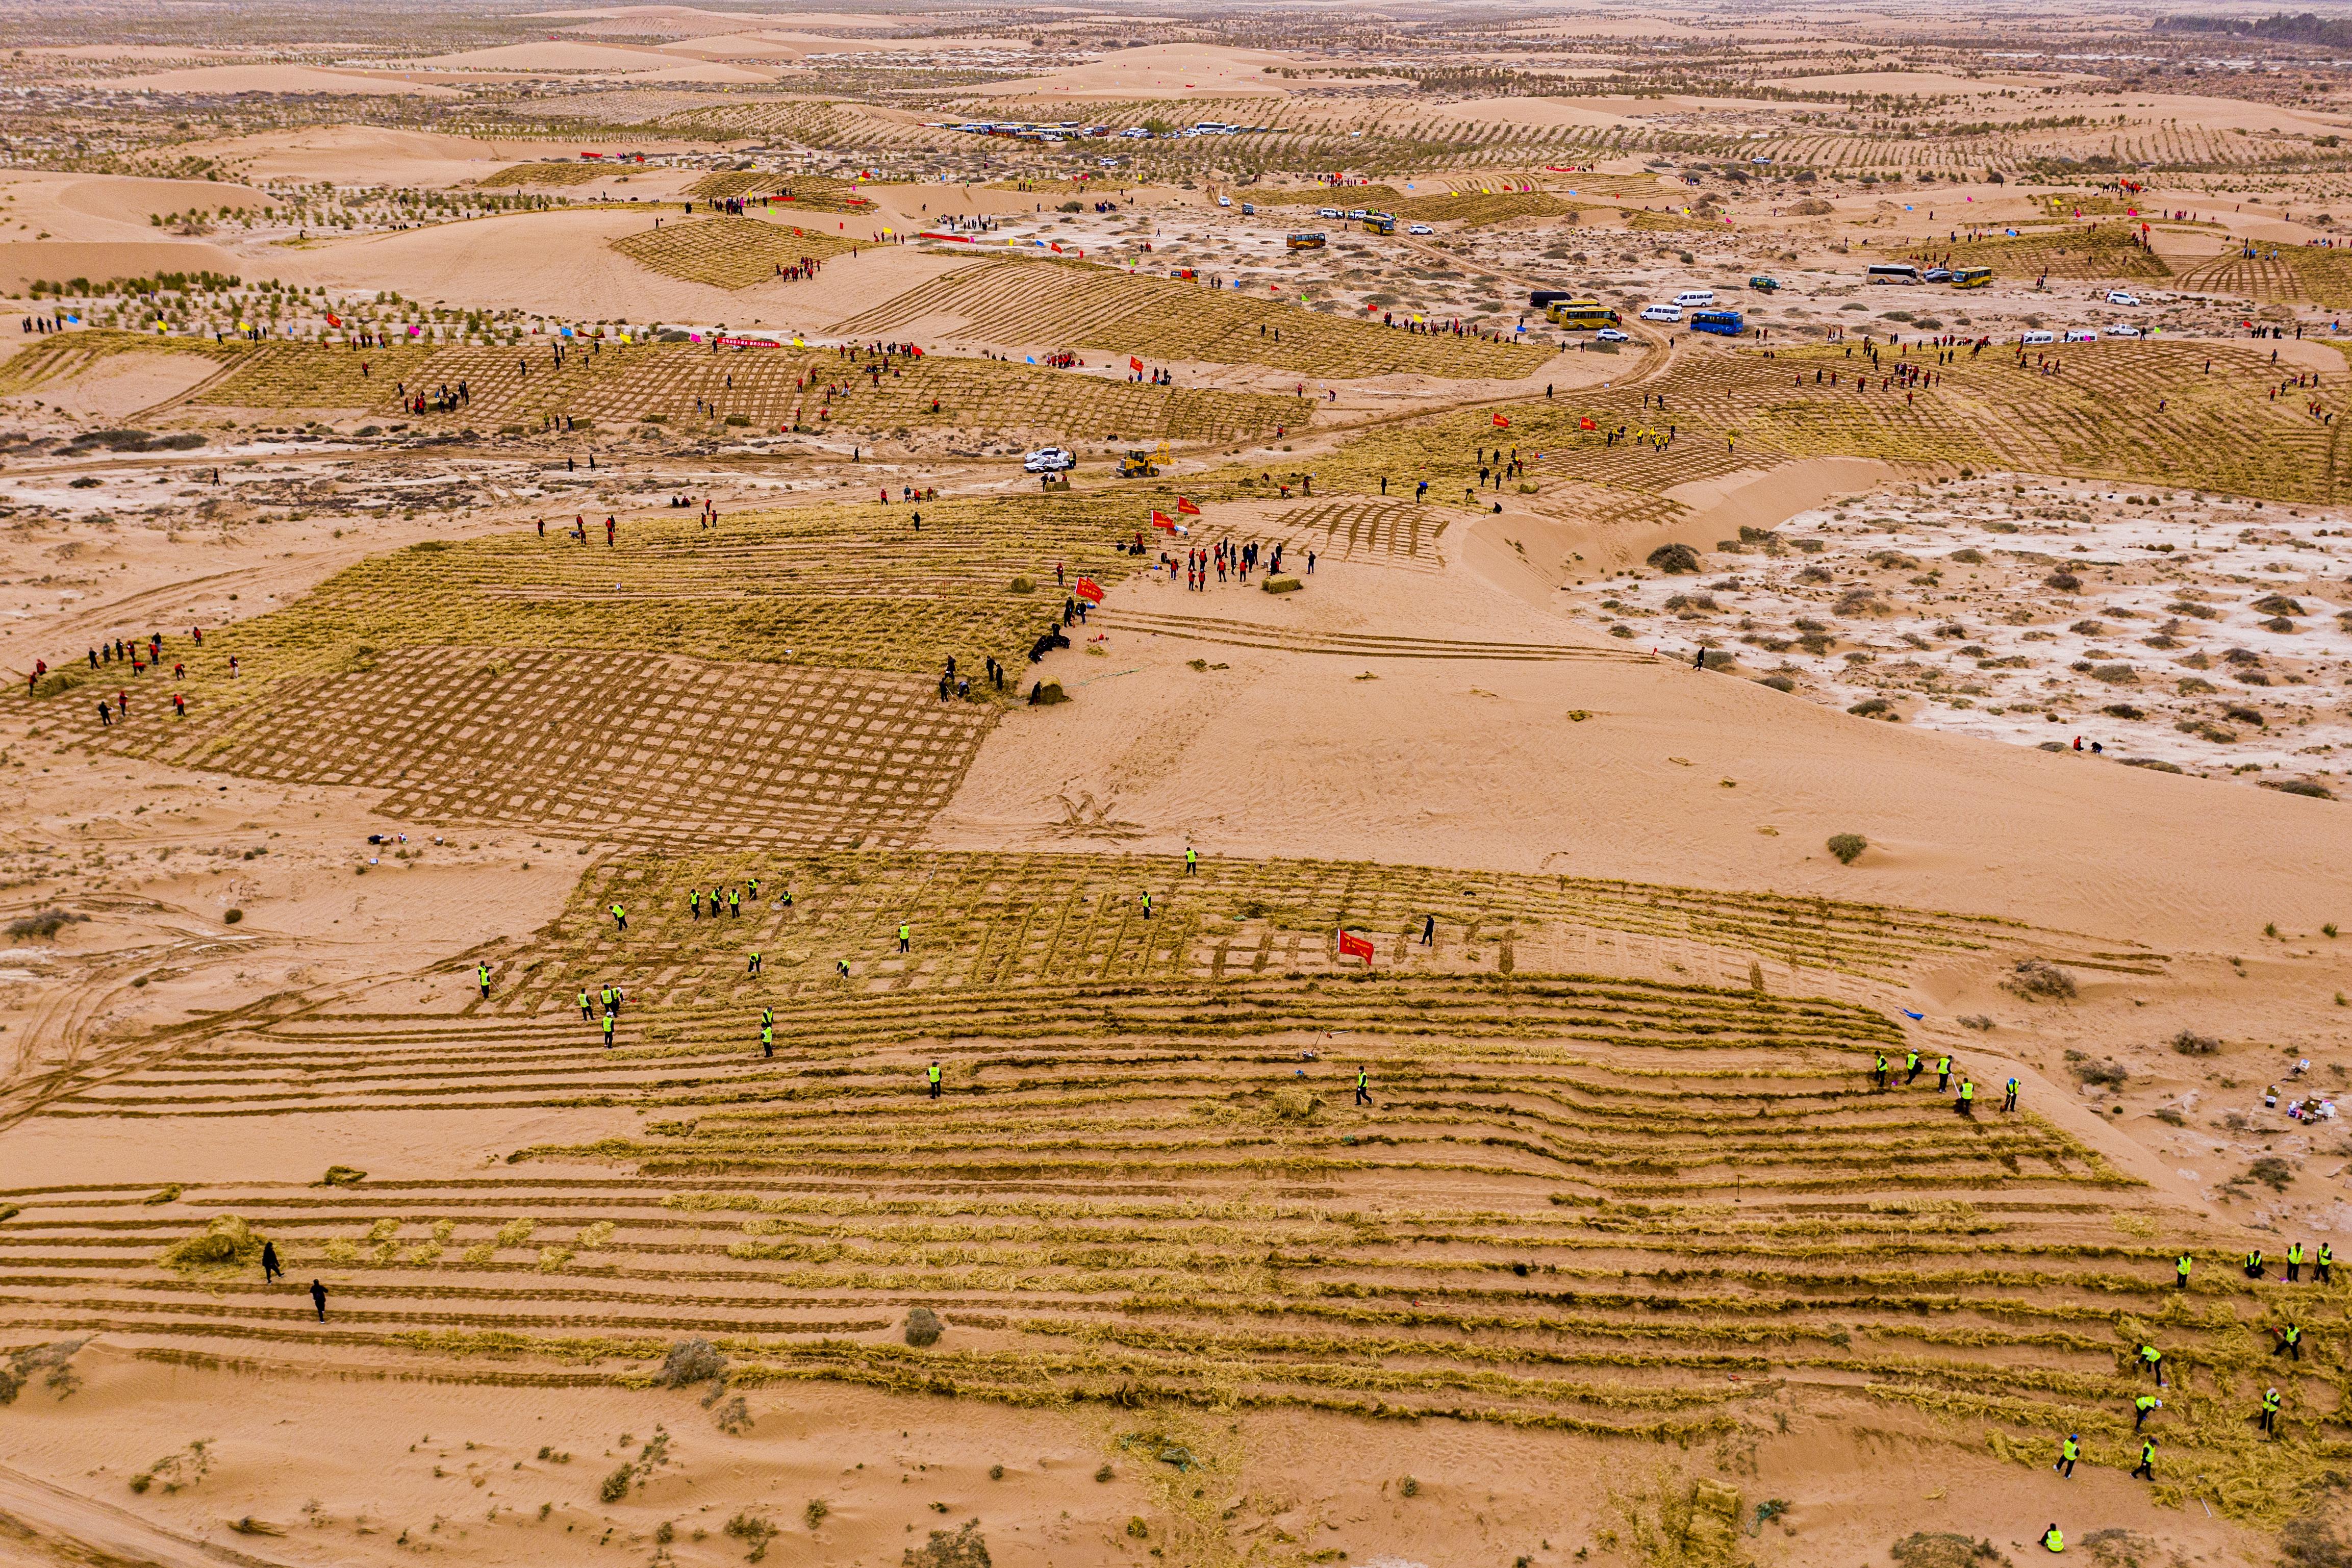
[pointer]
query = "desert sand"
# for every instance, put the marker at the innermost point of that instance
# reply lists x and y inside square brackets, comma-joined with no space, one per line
[1043,875]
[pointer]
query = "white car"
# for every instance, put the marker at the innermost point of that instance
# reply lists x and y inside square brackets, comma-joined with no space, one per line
[2117,297]
[1420,228]
[1050,460]
[2123,330]
[1327,211]
[1694,299]
[1355,215]
[1611,335]
[1661,312]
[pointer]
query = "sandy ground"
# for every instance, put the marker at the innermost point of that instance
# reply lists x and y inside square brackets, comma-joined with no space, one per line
[1162,70]
[277,78]
[560,264]
[1469,763]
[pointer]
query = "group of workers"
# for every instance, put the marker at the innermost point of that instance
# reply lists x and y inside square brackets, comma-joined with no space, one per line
[1965,1102]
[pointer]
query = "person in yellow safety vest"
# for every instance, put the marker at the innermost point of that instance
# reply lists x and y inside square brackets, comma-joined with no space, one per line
[620,918]
[1147,905]
[2290,1343]
[2146,1469]
[587,1008]
[2321,1264]
[2294,1250]
[2254,1264]
[1910,1067]
[752,966]
[605,996]
[934,1077]
[608,1031]
[1943,1073]
[1880,1071]
[841,967]
[903,934]
[767,1038]
[482,979]
[2153,1358]
[2053,1538]
[1192,861]
[735,902]
[751,889]
[2143,1404]
[2180,1271]
[694,901]
[2270,1411]
[2009,1103]
[1967,1095]
[2068,1452]
[1363,1095]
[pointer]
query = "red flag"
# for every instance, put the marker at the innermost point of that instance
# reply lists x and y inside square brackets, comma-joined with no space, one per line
[1185,505]
[1135,364]
[1089,590]
[1354,946]
[333,320]
[1057,247]
[1587,423]
[1501,423]
[1162,520]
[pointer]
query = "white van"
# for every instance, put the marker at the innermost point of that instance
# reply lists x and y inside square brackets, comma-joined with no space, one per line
[1661,312]
[1694,299]
[2080,335]
[1891,272]
[2034,339]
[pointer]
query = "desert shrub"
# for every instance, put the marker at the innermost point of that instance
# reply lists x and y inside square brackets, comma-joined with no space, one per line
[2189,1043]
[813,1512]
[690,1362]
[2310,1540]
[342,1176]
[1778,683]
[54,1359]
[923,1327]
[1105,1473]
[2040,977]
[1848,847]
[734,1417]
[1978,1021]
[40,923]
[1941,1549]
[962,1549]
[1871,707]
[1409,1486]
[226,1242]
[2272,1172]
[2302,787]
[1137,1530]
[232,917]
[1673,559]
[2105,1074]
[617,1485]
[754,1533]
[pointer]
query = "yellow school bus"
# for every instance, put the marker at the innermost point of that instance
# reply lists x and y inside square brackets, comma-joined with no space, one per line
[1972,277]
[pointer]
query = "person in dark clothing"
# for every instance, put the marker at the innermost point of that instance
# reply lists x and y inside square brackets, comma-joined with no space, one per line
[1429,930]
[269,1269]
[319,1299]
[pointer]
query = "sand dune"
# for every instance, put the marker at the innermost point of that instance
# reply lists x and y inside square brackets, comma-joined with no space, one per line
[21,261]
[1475,765]
[560,264]
[274,78]
[550,55]
[1161,70]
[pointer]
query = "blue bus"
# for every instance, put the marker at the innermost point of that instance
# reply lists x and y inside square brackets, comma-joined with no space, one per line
[1728,322]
